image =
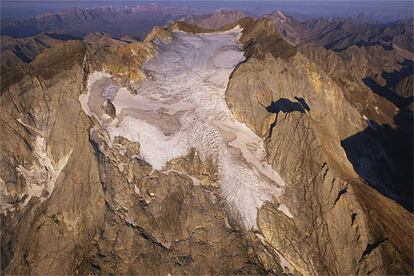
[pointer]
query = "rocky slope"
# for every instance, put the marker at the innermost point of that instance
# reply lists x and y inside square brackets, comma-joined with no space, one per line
[339,34]
[381,54]
[303,123]
[388,113]
[85,191]
[25,50]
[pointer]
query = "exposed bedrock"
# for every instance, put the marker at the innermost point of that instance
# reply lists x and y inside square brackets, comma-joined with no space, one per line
[341,225]
[52,200]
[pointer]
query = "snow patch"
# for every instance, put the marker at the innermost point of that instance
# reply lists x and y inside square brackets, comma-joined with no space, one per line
[85,98]
[136,190]
[41,177]
[285,210]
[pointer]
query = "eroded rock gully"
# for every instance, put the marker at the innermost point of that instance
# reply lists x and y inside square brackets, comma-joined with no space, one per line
[107,200]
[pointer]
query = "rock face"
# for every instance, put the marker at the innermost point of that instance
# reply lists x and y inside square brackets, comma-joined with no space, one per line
[352,51]
[379,53]
[303,114]
[390,120]
[156,157]
[52,200]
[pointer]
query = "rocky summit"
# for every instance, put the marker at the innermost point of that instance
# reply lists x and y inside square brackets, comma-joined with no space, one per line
[219,144]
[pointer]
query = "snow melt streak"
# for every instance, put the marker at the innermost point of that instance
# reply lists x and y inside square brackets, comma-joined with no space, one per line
[187,89]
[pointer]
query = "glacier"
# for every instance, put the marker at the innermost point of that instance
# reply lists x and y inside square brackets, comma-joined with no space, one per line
[181,106]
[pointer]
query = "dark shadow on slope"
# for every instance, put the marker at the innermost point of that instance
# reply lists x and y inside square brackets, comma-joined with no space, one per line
[383,42]
[21,55]
[287,106]
[383,156]
[395,77]
[392,78]
[387,93]
[63,36]
[303,103]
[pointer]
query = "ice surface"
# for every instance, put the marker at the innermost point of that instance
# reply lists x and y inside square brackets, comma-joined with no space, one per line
[187,90]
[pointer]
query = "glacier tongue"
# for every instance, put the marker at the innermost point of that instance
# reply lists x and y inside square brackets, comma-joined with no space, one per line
[182,107]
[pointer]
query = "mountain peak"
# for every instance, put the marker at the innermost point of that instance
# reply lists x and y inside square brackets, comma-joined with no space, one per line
[216,20]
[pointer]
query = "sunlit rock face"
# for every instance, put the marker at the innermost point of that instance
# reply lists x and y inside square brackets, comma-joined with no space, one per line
[181,106]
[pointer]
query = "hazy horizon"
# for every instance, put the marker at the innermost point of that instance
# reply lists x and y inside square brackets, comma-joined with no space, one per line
[379,10]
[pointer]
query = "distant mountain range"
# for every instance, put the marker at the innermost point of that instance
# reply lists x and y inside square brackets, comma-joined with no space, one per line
[134,21]
[333,33]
